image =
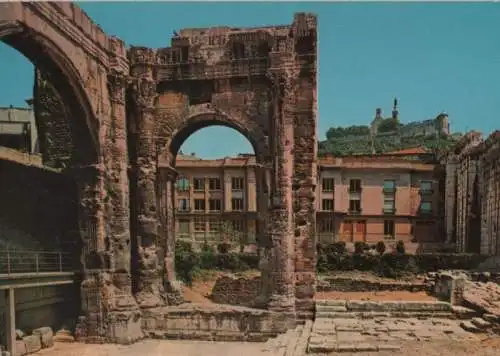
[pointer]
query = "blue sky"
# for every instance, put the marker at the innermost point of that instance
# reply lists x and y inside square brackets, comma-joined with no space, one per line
[432,56]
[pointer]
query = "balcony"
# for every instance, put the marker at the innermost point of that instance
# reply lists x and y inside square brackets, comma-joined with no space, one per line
[355,190]
[183,209]
[425,212]
[354,212]
[389,190]
[426,192]
[389,211]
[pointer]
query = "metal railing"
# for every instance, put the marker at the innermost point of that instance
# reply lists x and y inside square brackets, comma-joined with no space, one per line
[19,261]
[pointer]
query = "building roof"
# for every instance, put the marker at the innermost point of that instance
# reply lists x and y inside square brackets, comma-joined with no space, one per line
[409,151]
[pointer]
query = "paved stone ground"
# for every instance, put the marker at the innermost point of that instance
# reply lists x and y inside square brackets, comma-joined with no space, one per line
[382,334]
[158,347]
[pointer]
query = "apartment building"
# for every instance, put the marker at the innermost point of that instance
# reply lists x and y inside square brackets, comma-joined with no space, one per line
[216,200]
[359,198]
[374,198]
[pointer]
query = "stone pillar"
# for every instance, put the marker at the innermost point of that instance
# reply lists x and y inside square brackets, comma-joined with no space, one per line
[282,297]
[304,188]
[450,207]
[109,311]
[172,286]
[149,287]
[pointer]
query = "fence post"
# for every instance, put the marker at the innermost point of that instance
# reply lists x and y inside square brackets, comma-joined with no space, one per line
[36,262]
[60,261]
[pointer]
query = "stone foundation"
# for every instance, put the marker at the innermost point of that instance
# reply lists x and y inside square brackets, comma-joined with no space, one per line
[345,284]
[215,323]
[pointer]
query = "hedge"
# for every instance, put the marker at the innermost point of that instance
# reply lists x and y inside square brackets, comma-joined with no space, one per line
[188,262]
[332,257]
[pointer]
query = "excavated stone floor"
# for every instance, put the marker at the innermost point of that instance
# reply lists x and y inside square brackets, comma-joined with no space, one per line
[381,334]
[157,348]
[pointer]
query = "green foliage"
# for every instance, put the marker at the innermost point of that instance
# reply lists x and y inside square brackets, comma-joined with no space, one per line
[189,263]
[380,247]
[389,125]
[392,265]
[355,130]
[356,140]
[400,247]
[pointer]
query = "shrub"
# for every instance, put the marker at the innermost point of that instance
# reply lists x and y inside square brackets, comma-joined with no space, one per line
[380,247]
[224,247]
[400,247]
[187,261]
[338,247]
[360,247]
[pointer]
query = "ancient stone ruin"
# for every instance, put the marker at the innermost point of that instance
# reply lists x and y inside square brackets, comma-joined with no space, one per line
[108,116]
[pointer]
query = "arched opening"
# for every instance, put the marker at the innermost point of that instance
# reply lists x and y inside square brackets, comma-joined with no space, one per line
[44,132]
[219,194]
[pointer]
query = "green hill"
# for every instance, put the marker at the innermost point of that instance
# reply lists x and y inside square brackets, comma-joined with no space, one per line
[357,140]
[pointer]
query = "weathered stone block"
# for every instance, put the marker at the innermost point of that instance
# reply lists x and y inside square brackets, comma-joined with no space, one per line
[20,348]
[46,336]
[33,343]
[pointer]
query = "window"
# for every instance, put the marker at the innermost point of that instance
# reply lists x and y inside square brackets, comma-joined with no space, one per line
[183,226]
[199,204]
[183,205]
[238,225]
[355,185]
[327,204]
[214,204]
[214,184]
[426,186]
[426,207]
[354,206]
[237,183]
[199,184]
[215,225]
[389,186]
[326,225]
[328,184]
[389,229]
[237,204]
[199,224]
[389,205]
[182,184]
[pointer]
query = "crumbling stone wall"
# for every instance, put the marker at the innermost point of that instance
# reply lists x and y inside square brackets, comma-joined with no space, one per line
[261,82]
[462,211]
[86,72]
[478,193]
[235,290]
[489,193]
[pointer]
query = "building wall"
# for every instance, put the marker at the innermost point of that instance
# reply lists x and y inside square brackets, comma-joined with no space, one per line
[38,209]
[405,223]
[244,228]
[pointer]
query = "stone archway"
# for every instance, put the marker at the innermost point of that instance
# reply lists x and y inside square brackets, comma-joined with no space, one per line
[271,95]
[82,96]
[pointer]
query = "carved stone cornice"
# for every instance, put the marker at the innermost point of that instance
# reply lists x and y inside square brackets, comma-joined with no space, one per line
[117,82]
[144,91]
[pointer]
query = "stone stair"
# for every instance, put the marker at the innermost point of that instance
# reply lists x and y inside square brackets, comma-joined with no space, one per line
[292,343]
[370,309]
[485,324]
[370,326]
